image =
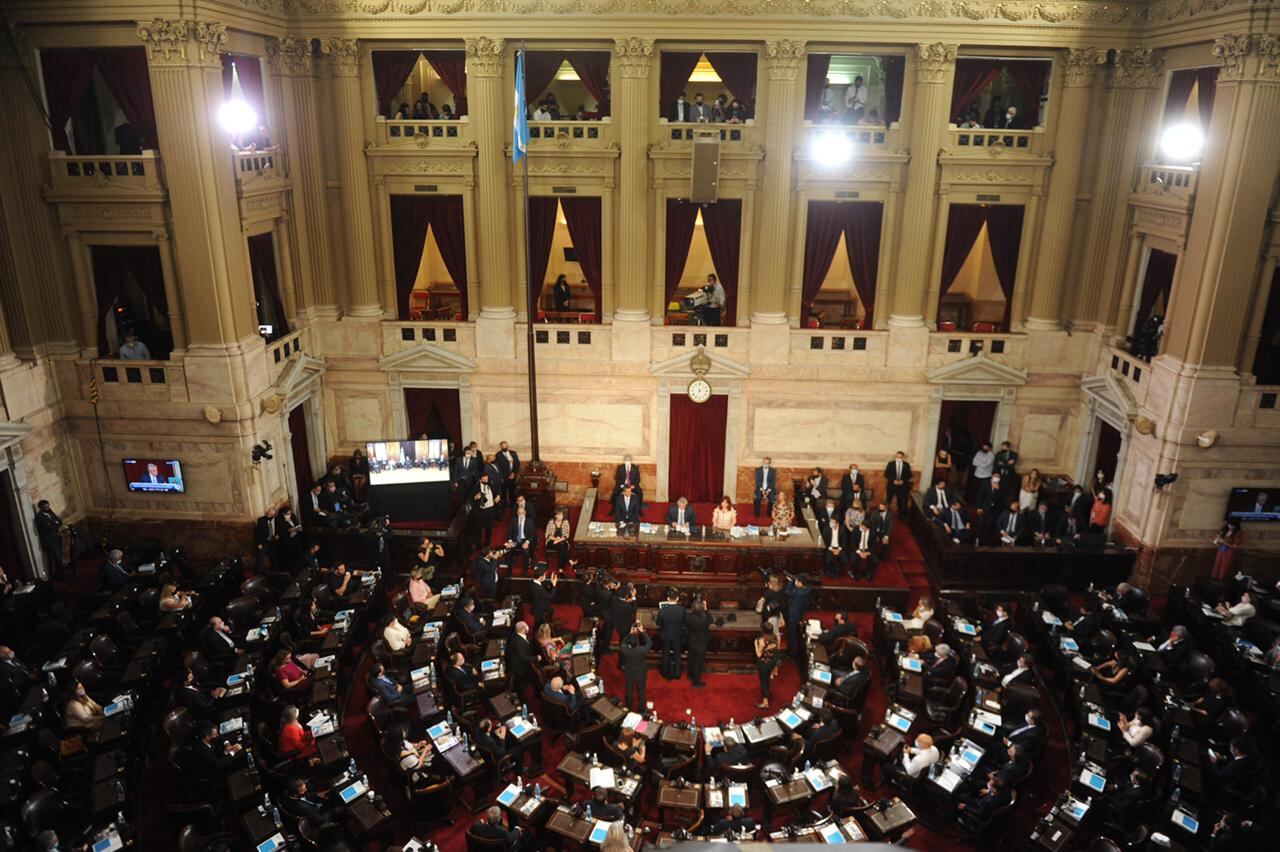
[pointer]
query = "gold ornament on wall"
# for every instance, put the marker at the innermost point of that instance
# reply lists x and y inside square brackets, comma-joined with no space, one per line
[1144,425]
[271,403]
[213,414]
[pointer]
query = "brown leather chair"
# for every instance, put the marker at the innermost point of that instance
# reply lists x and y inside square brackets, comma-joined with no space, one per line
[944,704]
[484,844]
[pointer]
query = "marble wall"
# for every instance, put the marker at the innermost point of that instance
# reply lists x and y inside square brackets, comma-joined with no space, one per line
[865,432]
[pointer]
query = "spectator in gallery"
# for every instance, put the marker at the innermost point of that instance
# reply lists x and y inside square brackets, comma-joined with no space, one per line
[134,349]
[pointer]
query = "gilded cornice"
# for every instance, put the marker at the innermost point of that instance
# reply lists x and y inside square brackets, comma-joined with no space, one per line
[634,57]
[484,56]
[182,43]
[1254,57]
[783,58]
[1137,68]
[290,56]
[344,55]
[934,62]
[1080,66]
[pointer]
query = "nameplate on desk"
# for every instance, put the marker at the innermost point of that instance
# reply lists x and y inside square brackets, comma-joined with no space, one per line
[965,628]
[18,724]
[1075,809]
[890,615]
[817,779]
[820,675]
[790,719]
[352,792]
[582,647]
[1069,644]
[231,726]
[1080,663]
[489,666]
[110,843]
[420,675]
[1050,619]
[970,757]
[326,663]
[519,727]
[1099,721]
[54,665]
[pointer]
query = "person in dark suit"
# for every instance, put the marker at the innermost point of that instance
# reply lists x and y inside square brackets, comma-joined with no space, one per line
[798,596]
[508,463]
[1014,769]
[627,474]
[937,500]
[626,509]
[897,476]
[852,484]
[466,470]
[633,656]
[1031,735]
[1079,506]
[565,694]
[943,668]
[486,503]
[1042,523]
[1236,763]
[1070,532]
[986,801]
[469,619]
[1010,526]
[313,511]
[606,592]
[522,538]
[882,525]
[218,644]
[824,727]
[497,740]
[680,514]
[766,487]
[954,524]
[735,754]
[835,546]
[391,693]
[561,293]
[1174,650]
[521,658]
[199,700]
[857,679]
[113,575]
[840,627]
[1129,599]
[736,823]
[1122,800]
[863,550]
[300,803]
[995,633]
[602,808]
[1007,463]
[49,531]
[462,674]
[485,573]
[266,536]
[623,607]
[697,625]
[681,110]
[671,620]
[542,592]
[815,489]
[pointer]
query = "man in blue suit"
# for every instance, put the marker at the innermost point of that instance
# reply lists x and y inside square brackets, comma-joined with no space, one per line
[798,597]
[391,693]
[113,575]
[766,486]
[680,514]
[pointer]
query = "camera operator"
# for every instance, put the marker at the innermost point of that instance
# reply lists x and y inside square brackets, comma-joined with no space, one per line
[714,308]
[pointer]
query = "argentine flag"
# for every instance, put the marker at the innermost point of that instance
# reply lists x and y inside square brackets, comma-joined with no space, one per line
[520,135]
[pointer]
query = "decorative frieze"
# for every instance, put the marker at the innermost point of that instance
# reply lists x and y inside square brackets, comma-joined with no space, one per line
[934,62]
[1137,68]
[1248,57]
[344,55]
[1081,64]
[784,58]
[634,57]
[181,43]
[290,56]
[484,56]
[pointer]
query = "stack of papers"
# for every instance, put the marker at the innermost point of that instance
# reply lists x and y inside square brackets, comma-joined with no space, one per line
[602,777]
[947,779]
[1144,647]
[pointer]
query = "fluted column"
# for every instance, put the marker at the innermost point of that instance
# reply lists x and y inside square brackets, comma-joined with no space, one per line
[83,279]
[487,100]
[292,62]
[168,271]
[934,68]
[284,251]
[210,251]
[1218,272]
[1130,85]
[1073,110]
[632,109]
[783,61]
[353,173]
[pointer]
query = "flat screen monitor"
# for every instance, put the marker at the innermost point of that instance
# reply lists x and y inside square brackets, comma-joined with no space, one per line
[408,462]
[1254,504]
[154,475]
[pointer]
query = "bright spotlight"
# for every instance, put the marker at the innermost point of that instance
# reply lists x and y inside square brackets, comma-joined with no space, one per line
[831,148]
[1182,142]
[236,116]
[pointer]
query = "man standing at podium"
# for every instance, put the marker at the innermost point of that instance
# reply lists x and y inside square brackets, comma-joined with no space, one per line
[671,633]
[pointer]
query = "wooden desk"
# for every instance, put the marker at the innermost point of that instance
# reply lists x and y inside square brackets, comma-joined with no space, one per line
[674,794]
[565,824]
[679,737]
[890,822]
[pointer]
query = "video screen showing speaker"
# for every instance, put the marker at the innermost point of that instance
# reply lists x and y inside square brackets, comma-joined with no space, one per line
[1254,504]
[154,475]
[408,462]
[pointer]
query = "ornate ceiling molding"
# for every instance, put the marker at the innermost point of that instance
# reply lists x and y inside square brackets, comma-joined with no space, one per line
[1248,57]
[344,55]
[484,56]
[291,56]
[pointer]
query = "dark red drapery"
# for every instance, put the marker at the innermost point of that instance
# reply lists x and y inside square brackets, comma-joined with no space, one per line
[894,73]
[410,218]
[249,70]
[126,74]
[862,221]
[1181,82]
[972,76]
[964,223]
[815,80]
[112,265]
[822,237]
[67,73]
[432,410]
[738,73]
[390,69]
[592,67]
[1004,231]
[681,219]
[542,229]
[583,216]
[451,240]
[697,448]
[266,283]
[1156,283]
[1030,77]
[451,66]
[676,68]
[300,452]
[1266,361]
[540,67]
[722,222]
[1207,78]
[975,418]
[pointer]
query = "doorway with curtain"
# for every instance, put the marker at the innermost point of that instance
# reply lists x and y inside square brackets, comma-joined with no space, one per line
[1107,457]
[300,452]
[696,445]
[963,426]
[11,541]
[434,411]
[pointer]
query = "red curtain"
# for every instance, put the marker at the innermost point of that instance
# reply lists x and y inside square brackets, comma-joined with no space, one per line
[723,223]
[451,240]
[894,72]
[542,228]
[583,216]
[266,282]
[972,76]
[1207,79]
[126,74]
[738,72]
[822,237]
[681,219]
[540,67]
[1030,78]
[1181,82]
[1004,230]
[67,74]
[410,218]
[697,448]
[862,221]
[676,68]
[1156,283]
[300,451]
[974,418]
[815,80]
[964,223]
[390,69]
[451,66]
[430,411]
[592,67]
[249,70]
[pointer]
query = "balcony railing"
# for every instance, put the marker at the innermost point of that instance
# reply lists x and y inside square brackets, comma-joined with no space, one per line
[1174,182]
[864,137]
[119,379]
[730,134]
[284,349]
[993,143]
[134,173]
[591,133]
[947,347]
[457,337]
[450,134]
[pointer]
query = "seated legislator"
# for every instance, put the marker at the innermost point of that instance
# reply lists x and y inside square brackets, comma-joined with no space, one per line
[396,635]
[209,759]
[82,713]
[562,693]
[391,693]
[462,674]
[919,757]
[938,499]
[835,543]
[294,739]
[602,808]
[724,517]
[736,823]
[491,828]
[290,671]
[172,600]
[301,803]
[1237,614]
[953,523]
[559,537]
[420,595]
[1043,523]
[863,558]
[626,508]
[1010,526]
[680,515]
[522,538]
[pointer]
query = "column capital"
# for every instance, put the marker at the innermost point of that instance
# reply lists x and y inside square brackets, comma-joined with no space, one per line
[635,57]
[485,56]
[291,56]
[1081,64]
[344,55]
[934,62]
[183,43]
[1137,68]
[783,58]
[1247,57]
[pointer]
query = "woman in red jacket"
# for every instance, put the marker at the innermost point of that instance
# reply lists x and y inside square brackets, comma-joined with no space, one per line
[295,741]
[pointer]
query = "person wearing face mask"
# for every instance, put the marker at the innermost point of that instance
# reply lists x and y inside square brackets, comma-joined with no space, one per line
[897,474]
[853,485]
[681,110]
[700,111]
[1011,120]
[466,470]
[1030,735]
[82,712]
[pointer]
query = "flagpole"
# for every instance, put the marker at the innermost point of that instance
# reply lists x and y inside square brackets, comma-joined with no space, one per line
[530,298]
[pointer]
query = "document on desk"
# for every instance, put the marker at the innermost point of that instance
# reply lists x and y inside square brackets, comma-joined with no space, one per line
[602,777]
[947,780]
[1144,647]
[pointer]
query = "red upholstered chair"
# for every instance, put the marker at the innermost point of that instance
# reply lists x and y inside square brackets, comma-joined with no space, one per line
[813,322]
[946,326]
[984,327]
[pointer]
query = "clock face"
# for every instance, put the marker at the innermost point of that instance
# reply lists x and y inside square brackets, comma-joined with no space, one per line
[699,390]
